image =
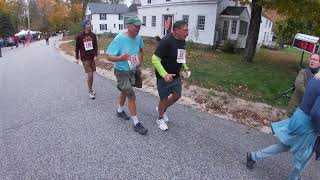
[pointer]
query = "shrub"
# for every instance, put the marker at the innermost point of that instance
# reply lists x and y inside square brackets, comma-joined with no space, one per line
[230,46]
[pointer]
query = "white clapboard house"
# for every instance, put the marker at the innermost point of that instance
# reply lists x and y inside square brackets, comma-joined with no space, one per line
[211,22]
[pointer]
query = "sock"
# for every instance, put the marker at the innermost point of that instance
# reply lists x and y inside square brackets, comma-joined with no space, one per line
[135,120]
[120,108]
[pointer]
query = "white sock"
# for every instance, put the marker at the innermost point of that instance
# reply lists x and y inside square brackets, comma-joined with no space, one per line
[135,120]
[120,108]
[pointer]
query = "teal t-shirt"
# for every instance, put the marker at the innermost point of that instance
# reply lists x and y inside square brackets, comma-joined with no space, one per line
[122,44]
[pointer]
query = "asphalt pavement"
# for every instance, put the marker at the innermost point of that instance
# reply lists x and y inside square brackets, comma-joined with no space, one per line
[50,129]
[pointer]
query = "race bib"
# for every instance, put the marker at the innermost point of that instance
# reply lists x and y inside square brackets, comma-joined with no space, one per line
[133,62]
[88,45]
[181,56]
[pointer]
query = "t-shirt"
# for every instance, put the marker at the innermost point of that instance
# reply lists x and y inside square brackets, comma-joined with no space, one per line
[122,44]
[172,53]
[86,44]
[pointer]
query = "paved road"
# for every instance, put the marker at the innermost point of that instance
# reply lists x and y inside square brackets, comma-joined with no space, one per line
[50,129]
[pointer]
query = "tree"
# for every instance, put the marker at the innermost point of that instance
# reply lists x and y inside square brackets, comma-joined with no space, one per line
[6,26]
[254,28]
[300,10]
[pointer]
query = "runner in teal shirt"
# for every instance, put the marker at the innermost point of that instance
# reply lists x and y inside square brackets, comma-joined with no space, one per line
[122,44]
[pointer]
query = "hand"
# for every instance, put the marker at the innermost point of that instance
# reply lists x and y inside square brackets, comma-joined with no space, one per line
[168,77]
[95,59]
[188,72]
[77,61]
[125,56]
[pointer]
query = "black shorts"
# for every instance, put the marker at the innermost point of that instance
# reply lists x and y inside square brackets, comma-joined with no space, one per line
[167,88]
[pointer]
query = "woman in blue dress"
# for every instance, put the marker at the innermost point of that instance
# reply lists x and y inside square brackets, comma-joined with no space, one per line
[297,134]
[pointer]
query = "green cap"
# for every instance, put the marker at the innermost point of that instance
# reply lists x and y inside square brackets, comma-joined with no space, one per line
[134,20]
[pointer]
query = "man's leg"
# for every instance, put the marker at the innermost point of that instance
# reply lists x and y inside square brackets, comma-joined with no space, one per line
[132,105]
[137,126]
[90,80]
[162,106]
[171,100]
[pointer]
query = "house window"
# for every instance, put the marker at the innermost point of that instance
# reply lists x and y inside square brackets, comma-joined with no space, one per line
[120,26]
[234,27]
[266,25]
[89,17]
[103,27]
[120,17]
[225,30]
[270,24]
[153,21]
[144,20]
[149,1]
[201,22]
[103,16]
[243,28]
[185,18]
[125,20]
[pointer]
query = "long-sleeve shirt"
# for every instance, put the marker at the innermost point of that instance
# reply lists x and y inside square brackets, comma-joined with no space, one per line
[86,44]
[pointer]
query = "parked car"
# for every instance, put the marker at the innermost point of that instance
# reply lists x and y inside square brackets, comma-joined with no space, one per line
[8,42]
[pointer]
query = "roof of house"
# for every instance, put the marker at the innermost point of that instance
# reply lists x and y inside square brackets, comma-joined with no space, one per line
[134,7]
[108,8]
[233,11]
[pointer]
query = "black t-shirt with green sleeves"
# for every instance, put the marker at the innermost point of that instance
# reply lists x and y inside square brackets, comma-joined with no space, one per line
[167,51]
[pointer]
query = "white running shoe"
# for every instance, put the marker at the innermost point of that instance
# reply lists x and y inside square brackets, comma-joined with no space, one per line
[165,117]
[91,95]
[162,125]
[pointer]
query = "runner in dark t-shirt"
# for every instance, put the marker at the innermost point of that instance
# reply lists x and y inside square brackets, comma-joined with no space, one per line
[87,46]
[168,59]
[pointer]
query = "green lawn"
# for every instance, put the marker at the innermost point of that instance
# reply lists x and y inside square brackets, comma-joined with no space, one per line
[271,72]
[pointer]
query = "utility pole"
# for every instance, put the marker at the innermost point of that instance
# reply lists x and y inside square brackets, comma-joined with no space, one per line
[28,14]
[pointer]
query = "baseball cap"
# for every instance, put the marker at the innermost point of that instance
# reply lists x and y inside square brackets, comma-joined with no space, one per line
[134,20]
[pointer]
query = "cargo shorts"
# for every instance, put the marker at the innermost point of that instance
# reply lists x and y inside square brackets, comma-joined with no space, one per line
[125,82]
[89,66]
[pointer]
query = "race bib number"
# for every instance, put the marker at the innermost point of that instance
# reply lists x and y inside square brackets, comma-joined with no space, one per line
[133,62]
[181,56]
[88,45]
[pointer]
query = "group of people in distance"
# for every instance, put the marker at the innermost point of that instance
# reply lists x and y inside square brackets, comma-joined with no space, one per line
[298,134]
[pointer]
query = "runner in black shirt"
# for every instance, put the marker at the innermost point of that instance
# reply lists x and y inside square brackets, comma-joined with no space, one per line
[168,59]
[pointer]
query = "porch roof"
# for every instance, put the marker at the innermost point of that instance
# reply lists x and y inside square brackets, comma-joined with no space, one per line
[233,11]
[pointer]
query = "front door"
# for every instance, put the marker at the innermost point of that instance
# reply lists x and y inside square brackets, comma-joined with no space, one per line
[167,24]
[225,30]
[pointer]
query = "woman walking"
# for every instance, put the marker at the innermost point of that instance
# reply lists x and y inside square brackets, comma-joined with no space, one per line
[297,134]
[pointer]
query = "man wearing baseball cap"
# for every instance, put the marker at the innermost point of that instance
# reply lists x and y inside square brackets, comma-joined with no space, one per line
[126,51]
[86,44]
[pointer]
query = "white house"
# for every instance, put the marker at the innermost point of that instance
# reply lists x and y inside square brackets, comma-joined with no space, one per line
[106,17]
[210,22]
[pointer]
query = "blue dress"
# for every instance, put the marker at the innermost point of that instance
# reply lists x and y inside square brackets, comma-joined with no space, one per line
[298,133]
[302,129]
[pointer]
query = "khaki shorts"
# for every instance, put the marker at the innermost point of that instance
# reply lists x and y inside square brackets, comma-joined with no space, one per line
[89,66]
[125,82]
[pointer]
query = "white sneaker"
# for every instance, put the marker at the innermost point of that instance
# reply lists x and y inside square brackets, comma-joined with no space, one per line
[91,95]
[165,117]
[162,125]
